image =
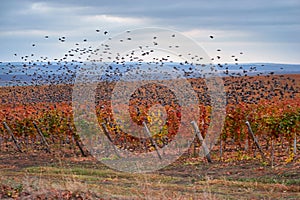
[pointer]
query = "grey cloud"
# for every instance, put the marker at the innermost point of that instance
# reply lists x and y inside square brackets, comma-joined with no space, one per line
[227,13]
[264,21]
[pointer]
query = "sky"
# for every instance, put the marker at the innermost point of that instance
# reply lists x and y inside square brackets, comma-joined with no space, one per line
[264,30]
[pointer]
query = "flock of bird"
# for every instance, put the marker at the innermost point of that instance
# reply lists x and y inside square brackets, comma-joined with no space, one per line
[52,79]
[240,87]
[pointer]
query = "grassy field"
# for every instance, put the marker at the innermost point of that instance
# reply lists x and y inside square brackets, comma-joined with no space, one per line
[41,176]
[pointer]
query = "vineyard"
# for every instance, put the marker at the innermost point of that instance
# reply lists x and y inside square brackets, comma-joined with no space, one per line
[271,120]
[40,120]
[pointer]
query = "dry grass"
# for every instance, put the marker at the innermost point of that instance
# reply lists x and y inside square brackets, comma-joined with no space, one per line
[106,183]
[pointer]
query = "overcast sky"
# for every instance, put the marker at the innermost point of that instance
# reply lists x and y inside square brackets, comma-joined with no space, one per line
[265,30]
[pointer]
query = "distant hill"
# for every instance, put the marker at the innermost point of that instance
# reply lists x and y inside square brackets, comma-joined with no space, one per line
[17,73]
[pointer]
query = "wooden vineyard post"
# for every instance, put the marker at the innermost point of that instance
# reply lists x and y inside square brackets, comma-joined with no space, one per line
[77,142]
[246,144]
[204,146]
[194,148]
[295,144]
[255,141]
[272,154]
[12,136]
[151,139]
[109,138]
[42,136]
[221,149]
